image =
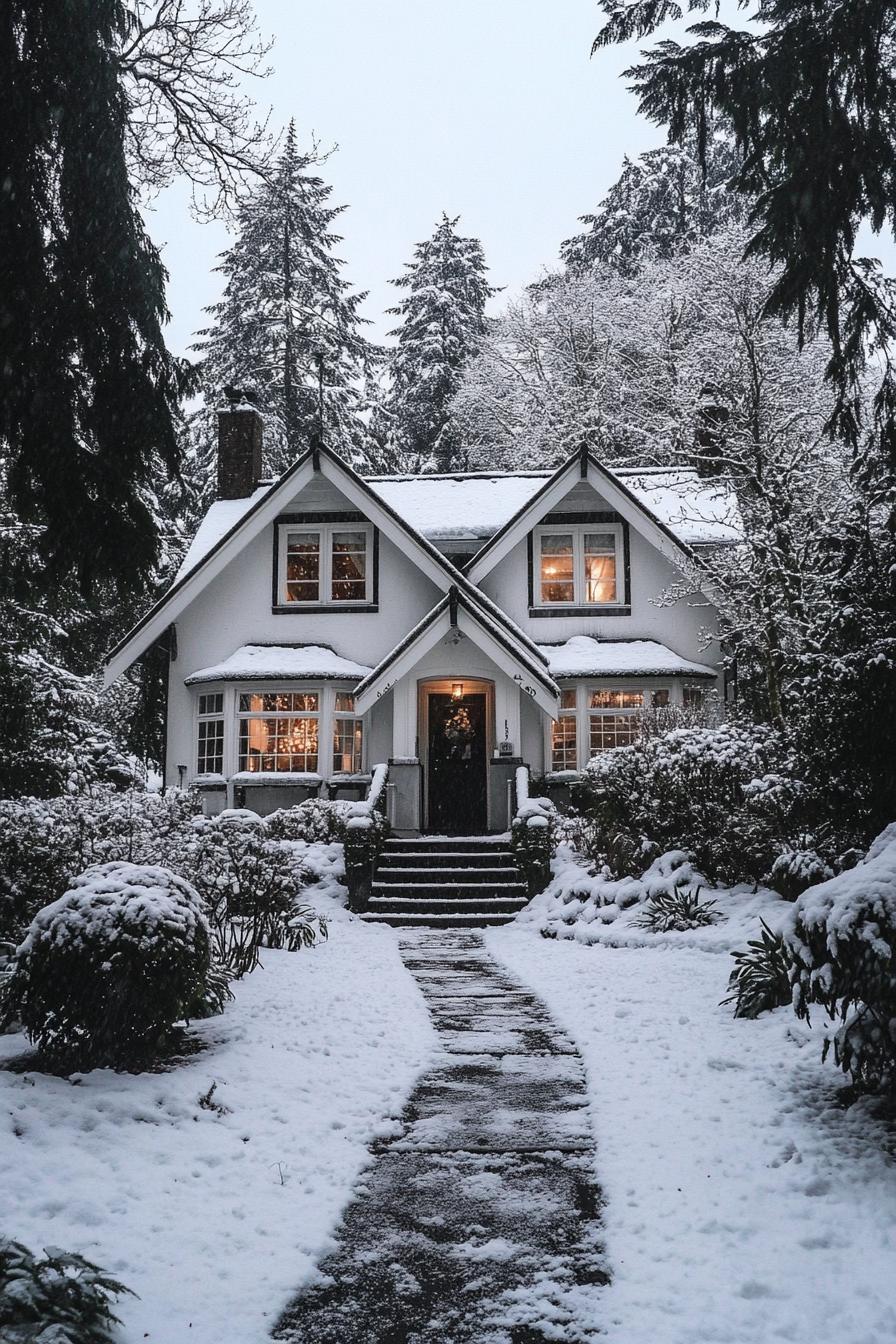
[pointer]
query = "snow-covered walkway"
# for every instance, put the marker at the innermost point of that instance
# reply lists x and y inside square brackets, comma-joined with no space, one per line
[744,1205]
[479,1221]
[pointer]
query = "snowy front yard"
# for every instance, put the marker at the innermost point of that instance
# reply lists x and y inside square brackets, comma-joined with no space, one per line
[214,1218]
[742,1205]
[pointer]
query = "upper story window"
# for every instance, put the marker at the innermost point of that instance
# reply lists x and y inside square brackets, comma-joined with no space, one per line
[325,564]
[579,566]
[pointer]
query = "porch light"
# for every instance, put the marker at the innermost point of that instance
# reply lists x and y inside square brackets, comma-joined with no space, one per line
[457,690]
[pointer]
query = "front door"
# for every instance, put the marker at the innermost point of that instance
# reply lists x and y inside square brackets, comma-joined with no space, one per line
[456,782]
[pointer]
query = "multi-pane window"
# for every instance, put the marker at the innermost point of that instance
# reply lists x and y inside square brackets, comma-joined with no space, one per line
[279,731]
[564,731]
[210,753]
[613,718]
[694,696]
[579,566]
[326,563]
[348,735]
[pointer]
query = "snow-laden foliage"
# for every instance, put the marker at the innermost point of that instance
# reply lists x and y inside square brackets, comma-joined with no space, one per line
[662,203]
[45,843]
[578,900]
[249,884]
[760,980]
[797,868]
[441,324]
[55,1298]
[841,937]
[105,972]
[726,793]
[288,326]
[316,820]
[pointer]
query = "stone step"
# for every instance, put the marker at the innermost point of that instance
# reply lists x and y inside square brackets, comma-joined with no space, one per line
[496,905]
[473,920]
[448,876]
[443,843]
[421,858]
[426,891]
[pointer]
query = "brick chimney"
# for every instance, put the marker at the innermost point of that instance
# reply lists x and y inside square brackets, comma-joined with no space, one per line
[239,451]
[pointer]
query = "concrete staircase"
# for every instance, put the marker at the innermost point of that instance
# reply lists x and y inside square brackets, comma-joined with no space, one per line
[441,882]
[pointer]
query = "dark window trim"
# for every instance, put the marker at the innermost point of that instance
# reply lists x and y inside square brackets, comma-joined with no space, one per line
[625,609]
[279,608]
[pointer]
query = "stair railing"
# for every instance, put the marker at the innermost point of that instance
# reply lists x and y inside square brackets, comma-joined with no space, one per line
[532,834]
[366,831]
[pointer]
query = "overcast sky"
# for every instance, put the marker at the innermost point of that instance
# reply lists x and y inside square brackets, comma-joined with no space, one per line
[488,109]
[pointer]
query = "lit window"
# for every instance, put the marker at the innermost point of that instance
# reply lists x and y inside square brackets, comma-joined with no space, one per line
[210,754]
[348,736]
[694,696]
[325,564]
[613,718]
[279,731]
[579,566]
[564,754]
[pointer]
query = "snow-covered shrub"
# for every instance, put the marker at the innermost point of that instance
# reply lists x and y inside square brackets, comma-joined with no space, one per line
[46,842]
[841,936]
[761,976]
[56,1298]
[532,836]
[317,820]
[106,972]
[677,910]
[723,792]
[577,899]
[250,885]
[797,868]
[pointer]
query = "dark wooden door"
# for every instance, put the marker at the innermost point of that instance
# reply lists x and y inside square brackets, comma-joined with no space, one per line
[457,765]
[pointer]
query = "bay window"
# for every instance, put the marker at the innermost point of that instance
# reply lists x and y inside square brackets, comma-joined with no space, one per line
[322,564]
[348,735]
[564,734]
[579,566]
[210,735]
[279,732]
[613,719]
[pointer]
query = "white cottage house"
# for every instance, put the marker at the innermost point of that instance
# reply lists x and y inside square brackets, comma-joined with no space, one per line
[453,626]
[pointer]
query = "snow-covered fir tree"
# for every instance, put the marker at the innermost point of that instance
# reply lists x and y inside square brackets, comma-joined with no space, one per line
[442,322]
[661,203]
[288,325]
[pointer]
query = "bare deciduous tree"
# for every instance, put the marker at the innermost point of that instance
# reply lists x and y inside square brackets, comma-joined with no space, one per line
[183,65]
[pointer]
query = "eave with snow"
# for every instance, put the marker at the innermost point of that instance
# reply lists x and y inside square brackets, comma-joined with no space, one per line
[454,626]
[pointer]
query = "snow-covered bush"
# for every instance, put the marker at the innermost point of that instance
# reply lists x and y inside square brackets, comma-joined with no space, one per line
[56,1298]
[106,972]
[46,842]
[317,820]
[797,868]
[841,936]
[532,835]
[250,885]
[723,792]
[761,976]
[677,910]
[577,899]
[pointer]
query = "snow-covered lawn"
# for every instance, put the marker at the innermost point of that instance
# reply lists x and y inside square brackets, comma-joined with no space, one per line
[214,1219]
[743,1205]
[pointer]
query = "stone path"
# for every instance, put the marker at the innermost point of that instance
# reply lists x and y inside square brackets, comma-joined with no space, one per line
[478,1222]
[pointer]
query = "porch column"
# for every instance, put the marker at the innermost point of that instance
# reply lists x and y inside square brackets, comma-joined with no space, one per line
[405,772]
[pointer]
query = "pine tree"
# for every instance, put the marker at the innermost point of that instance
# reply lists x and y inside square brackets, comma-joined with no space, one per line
[288,324]
[88,391]
[442,323]
[661,204]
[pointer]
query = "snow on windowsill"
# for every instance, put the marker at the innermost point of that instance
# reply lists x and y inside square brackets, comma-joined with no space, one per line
[276,777]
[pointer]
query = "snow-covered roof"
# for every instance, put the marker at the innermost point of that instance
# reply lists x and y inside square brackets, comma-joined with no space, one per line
[477,505]
[222,515]
[266,662]
[583,656]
